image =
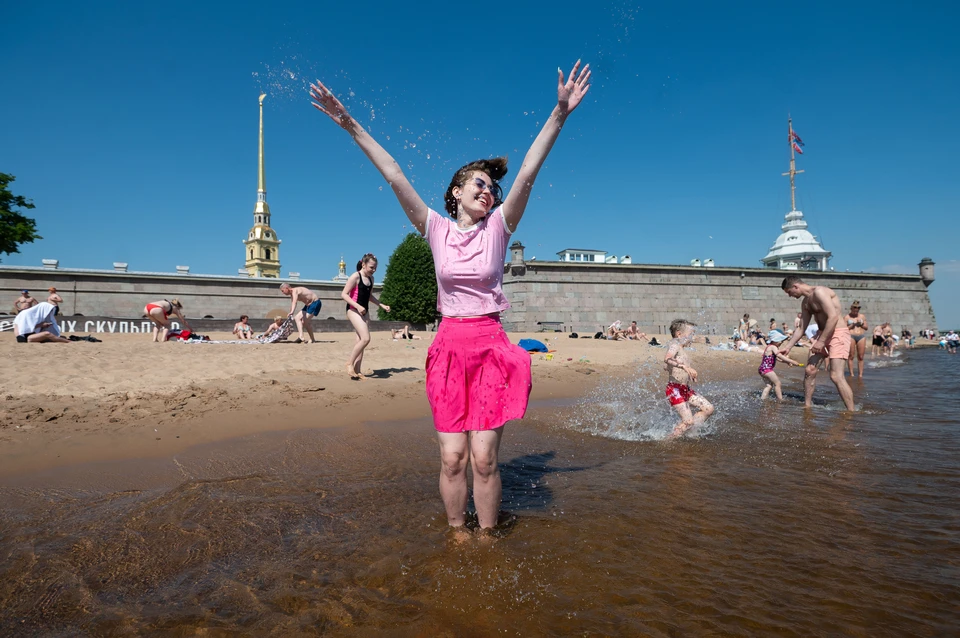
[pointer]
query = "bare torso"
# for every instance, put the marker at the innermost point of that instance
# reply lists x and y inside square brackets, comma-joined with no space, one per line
[304,295]
[856,325]
[675,372]
[819,304]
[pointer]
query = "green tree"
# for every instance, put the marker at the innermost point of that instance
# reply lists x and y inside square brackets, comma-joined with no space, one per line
[410,284]
[15,229]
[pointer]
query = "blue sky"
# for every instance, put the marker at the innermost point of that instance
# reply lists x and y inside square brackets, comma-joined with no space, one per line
[133,127]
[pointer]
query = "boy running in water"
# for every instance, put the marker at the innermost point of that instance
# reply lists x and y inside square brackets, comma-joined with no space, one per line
[681,375]
[311,308]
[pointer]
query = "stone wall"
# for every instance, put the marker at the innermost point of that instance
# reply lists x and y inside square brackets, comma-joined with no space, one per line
[586,297]
[107,293]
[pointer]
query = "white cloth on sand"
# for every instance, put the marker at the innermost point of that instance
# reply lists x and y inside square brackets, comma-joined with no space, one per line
[28,321]
[812,330]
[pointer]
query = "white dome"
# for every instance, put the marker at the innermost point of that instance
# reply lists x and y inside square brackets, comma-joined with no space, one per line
[795,245]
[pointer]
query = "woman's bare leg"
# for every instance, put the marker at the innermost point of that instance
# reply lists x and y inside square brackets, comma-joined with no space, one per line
[363,339]
[861,352]
[453,475]
[487,486]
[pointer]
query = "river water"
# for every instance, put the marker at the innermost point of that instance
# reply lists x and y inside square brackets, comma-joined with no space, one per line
[772,520]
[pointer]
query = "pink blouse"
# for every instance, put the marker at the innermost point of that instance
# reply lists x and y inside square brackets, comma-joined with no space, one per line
[469,264]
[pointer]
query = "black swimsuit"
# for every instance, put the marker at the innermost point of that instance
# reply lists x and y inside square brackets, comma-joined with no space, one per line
[363,295]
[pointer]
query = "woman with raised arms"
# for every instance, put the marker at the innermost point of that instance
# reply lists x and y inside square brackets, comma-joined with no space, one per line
[476,379]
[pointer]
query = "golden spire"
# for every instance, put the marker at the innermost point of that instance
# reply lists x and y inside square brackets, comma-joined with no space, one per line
[262,181]
[793,165]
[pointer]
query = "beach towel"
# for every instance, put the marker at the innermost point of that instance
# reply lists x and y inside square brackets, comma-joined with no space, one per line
[776,336]
[285,330]
[532,345]
[28,321]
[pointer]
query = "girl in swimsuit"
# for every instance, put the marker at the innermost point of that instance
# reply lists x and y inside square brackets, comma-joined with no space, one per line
[857,325]
[159,312]
[770,379]
[358,293]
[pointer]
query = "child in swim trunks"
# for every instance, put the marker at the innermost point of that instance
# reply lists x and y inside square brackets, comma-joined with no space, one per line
[770,379]
[681,375]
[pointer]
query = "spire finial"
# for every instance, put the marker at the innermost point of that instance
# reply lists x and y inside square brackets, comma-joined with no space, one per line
[261,174]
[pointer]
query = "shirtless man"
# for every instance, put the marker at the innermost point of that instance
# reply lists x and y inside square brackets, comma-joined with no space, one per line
[53,297]
[633,332]
[680,376]
[311,308]
[24,301]
[830,344]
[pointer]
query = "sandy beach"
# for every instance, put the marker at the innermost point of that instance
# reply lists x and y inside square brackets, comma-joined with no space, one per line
[128,398]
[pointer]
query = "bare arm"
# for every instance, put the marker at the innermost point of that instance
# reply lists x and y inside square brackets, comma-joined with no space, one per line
[798,332]
[180,316]
[376,301]
[569,96]
[788,360]
[413,206]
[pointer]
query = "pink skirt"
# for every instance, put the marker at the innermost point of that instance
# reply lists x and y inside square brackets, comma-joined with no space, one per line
[476,378]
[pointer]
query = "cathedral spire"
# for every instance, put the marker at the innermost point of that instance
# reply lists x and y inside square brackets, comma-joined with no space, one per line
[262,247]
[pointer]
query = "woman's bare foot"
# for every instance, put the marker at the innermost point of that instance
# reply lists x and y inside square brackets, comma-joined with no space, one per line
[460,534]
[351,372]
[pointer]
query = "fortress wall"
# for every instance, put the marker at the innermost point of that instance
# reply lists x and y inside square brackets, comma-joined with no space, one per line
[118,294]
[588,296]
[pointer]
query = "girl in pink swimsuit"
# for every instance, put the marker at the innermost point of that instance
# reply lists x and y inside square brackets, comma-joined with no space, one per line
[767,364]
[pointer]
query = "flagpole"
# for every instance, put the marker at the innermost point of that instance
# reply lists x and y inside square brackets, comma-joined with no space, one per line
[793,165]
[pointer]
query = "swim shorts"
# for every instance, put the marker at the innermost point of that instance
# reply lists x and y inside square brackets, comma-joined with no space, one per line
[839,346]
[313,308]
[679,393]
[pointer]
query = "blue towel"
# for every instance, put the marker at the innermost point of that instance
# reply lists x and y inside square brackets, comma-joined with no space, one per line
[532,345]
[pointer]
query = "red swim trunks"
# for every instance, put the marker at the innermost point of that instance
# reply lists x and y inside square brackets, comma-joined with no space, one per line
[679,393]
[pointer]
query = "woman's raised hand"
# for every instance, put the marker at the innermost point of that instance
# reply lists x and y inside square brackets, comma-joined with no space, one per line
[571,92]
[325,101]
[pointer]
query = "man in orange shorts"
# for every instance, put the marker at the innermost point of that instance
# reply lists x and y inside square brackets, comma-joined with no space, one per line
[830,344]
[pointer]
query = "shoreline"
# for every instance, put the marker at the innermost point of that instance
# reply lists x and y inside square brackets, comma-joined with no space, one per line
[128,397]
[111,401]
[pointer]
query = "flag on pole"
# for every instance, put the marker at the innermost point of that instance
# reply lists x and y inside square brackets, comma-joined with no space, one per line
[797,148]
[796,138]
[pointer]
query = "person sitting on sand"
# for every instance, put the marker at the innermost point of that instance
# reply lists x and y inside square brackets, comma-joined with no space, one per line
[38,324]
[633,332]
[771,354]
[274,327]
[680,376]
[403,333]
[159,313]
[358,293]
[242,329]
[24,301]
[614,331]
[311,308]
